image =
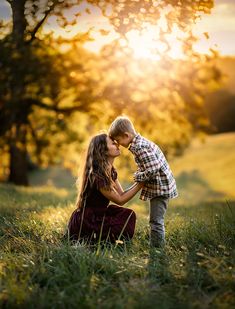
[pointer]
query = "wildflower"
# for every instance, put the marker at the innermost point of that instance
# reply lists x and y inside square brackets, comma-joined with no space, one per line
[118,241]
[200,254]
[221,247]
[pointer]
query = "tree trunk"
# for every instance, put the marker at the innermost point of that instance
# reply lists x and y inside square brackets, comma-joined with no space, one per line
[18,157]
[19,22]
[17,145]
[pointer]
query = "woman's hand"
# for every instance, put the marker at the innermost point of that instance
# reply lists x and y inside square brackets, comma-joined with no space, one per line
[121,198]
[141,184]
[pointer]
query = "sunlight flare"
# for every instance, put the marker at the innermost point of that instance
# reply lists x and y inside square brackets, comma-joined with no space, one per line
[152,44]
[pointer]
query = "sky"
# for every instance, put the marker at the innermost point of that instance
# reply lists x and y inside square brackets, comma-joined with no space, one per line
[220,25]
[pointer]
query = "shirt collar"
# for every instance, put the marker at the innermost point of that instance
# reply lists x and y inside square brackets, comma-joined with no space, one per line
[133,144]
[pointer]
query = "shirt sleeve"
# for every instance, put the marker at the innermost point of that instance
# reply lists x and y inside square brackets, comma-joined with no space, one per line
[150,162]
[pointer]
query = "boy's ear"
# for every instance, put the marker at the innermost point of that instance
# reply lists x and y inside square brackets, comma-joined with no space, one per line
[129,135]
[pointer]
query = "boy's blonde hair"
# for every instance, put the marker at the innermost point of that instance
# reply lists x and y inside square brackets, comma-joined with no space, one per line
[121,125]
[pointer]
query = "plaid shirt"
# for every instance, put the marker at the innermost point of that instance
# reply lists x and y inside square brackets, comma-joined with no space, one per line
[153,169]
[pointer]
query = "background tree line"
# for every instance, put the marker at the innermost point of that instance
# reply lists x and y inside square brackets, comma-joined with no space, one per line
[53,100]
[220,104]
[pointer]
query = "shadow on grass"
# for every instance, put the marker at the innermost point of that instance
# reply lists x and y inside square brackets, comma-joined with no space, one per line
[21,206]
[27,213]
[54,176]
[205,211]
[162,290]
[193,188]
[193,191]
[28,198]
[193,270]
[191,287]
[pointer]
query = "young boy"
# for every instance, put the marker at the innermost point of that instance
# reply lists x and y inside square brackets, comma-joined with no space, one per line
[153,170]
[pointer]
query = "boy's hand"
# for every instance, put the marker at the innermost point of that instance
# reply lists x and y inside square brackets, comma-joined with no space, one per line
[135,176]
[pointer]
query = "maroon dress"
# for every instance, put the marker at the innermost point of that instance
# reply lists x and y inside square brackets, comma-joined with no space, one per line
[99,220]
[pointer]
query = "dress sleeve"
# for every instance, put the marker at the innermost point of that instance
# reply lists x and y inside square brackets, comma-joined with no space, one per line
[100,182]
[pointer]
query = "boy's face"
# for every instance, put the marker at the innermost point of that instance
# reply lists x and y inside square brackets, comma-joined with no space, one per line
[124,140]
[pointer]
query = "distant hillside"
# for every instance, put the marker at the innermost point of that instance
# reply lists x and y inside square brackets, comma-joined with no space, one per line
[227,66]
[207,170]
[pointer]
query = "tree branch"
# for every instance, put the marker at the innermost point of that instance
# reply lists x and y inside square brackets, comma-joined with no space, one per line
[65,110]
[36,28]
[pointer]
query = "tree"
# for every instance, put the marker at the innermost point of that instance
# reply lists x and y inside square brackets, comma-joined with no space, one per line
[33,74]
[220,106]
[41,88]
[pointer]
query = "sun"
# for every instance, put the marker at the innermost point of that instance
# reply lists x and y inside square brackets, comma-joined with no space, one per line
[144,44]
[149,44]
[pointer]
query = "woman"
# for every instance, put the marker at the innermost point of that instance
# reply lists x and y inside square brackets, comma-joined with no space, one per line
[94,219]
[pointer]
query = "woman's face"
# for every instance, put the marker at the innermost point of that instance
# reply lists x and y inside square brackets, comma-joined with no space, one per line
[113,149]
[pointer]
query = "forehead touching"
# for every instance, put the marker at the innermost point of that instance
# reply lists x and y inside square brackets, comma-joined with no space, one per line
[117,137]
[114,140]
[121,139]
[110,140]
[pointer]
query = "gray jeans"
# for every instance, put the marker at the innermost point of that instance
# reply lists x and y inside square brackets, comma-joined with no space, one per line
[158,207]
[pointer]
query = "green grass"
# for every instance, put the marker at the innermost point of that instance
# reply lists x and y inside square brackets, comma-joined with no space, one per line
[40,269]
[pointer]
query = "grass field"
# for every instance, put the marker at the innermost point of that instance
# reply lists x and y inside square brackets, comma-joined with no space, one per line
[39,269]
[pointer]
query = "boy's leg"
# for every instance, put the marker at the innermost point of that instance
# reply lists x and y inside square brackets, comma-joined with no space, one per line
[158,208]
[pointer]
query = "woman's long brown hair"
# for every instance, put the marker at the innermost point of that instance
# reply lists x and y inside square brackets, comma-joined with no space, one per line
[96,164]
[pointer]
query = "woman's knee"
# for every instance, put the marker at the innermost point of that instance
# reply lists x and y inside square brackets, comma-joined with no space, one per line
[131,213]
